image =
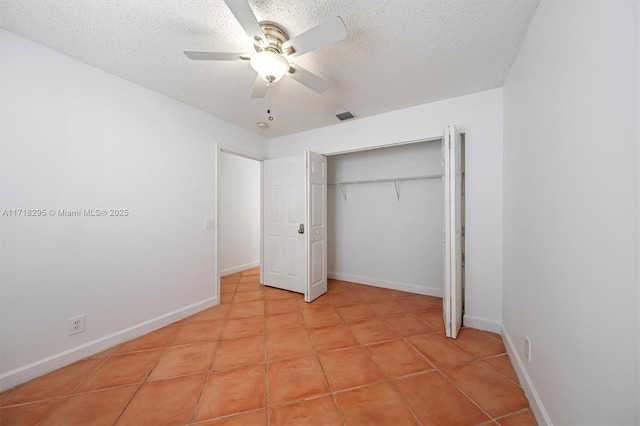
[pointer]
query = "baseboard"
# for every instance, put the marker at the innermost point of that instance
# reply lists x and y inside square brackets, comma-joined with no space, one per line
[240,268]
[28,372]
[481,323]
[411,288]
[540,413]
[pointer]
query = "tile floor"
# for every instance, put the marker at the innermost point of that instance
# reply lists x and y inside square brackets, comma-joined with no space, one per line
[358,355]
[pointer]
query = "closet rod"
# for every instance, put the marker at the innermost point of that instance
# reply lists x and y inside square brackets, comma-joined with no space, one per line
[401,179]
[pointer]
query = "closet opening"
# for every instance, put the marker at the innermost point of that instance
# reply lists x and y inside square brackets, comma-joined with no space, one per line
[385,209]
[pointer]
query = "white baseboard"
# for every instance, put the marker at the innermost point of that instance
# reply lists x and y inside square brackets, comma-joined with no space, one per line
[240,268]
[28,372]
[540,413]
[411,288]
[481,323]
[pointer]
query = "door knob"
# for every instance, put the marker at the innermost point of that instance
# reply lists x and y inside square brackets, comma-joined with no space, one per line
[301,229]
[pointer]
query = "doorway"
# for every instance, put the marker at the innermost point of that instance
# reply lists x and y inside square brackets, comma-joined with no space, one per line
[239,212]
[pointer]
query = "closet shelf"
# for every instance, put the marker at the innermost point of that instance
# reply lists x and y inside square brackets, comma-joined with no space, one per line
[394,180]
[400,179]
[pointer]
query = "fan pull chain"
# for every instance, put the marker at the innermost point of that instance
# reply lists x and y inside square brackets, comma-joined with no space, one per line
[269,104]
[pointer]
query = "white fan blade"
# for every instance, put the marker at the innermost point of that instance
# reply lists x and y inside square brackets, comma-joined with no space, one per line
[310,80]
[216,56]
[259,88]
[324,34]
[247,20]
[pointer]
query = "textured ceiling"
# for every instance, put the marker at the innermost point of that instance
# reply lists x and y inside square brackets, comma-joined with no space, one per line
[398,53]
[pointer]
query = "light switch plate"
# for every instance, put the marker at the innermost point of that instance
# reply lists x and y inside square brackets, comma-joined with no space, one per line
[209,224]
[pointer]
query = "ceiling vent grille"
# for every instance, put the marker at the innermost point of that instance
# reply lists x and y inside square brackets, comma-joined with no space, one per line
[346,115]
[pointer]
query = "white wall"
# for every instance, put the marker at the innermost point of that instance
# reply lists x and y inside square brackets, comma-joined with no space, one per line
[74,137]
[376,238]
[239,213]
[479,116]
[571,212]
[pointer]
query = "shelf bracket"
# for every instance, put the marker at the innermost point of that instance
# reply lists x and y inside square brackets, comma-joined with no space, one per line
[344,194]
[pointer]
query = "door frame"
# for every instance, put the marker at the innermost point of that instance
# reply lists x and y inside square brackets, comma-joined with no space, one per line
[388,145]
[251,156]
[438,138]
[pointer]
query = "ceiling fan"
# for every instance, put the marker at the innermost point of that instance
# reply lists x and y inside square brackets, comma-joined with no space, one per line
[274,49]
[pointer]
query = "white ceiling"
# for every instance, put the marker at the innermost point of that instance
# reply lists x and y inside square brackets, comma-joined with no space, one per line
[398,53]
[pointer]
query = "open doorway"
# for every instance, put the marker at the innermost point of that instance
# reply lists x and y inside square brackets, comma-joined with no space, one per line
[239,213]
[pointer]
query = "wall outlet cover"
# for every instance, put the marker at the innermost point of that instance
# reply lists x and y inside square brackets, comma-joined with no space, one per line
[76,325]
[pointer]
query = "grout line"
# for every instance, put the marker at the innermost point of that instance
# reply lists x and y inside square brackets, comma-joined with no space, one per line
[406,403]
[455,385]
[504,416]
[144,380]
[500,372]
[209,370]
[52,410]
[227,416]
[299,400]
[266,366]
[338,409]
[90,374]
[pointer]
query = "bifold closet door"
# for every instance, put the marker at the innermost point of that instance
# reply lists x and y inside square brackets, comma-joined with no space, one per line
[452,242]
[317,223]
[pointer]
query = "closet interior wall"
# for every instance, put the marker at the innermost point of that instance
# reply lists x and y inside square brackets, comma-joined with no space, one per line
[382,231]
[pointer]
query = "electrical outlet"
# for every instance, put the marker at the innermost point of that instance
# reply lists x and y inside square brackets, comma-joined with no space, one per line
[527,348]
[76,325]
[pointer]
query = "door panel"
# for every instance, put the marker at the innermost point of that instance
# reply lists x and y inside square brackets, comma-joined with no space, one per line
[452,247]
[274,265]
[317,224]
[284,211]
[295,192]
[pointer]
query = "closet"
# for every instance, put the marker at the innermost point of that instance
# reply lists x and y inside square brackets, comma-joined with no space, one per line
[385,217]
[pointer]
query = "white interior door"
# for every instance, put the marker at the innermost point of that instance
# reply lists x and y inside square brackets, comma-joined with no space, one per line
[295,224]
[452,251]
[284,211]
[317,223]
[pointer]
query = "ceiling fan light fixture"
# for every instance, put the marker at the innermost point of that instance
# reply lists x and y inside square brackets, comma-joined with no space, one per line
[270,66]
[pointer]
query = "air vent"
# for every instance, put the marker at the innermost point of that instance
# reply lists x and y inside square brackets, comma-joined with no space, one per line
[347,115]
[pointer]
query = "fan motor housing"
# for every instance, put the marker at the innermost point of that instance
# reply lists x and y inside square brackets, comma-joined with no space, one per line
[275,35]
